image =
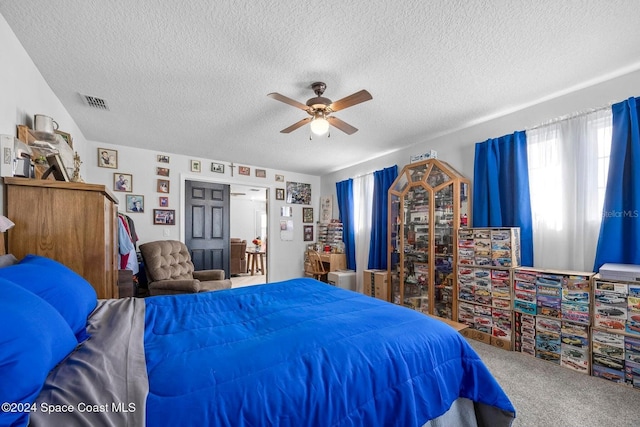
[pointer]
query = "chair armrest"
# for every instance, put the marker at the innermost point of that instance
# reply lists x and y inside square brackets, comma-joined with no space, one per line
[206,275]
[184,286]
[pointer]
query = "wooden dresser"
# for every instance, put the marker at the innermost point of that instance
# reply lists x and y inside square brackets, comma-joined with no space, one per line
[70,222]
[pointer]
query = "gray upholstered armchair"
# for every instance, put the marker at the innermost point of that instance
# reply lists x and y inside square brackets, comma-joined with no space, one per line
[169,270]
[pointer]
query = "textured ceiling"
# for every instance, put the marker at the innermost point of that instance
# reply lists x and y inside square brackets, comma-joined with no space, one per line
[192,77]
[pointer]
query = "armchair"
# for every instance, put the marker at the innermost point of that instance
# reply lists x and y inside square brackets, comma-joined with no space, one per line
[238,262]
[170,271]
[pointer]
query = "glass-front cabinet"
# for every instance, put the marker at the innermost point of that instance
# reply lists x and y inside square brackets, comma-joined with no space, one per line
[428,203]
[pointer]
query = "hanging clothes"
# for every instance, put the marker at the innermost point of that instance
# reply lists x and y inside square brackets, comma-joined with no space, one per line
[126,247]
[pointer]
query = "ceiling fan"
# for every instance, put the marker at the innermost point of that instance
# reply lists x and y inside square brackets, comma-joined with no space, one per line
[321,108]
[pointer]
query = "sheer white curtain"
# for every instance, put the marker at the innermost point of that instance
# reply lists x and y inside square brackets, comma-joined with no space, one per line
[362,204]
[568,163]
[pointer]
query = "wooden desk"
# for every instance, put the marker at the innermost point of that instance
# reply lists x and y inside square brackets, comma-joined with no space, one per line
[333,262]
[254,263]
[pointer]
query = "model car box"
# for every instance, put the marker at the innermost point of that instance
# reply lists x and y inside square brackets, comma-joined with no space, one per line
[548,356]
[610,311]
[608,362]
[610,297]
[632,344]
[525,307]
[524,286]
[548,325]
[608,350]
[575,312]
[574,358]
[577,283]
[606,322]
[633,305]
[607,338]
[619,288]
[613,375]
[577,329]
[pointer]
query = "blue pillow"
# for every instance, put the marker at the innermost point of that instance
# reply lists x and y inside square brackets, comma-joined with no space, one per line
[34,338]
[65,290]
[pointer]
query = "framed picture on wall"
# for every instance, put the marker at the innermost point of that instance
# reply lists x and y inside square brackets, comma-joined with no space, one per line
[217,167]
[135,203]
[123,182]
[164,216]
[107,158]
[279,178]
[244,170]
[163,186]
[308,233]
[279,193]
[261,173]
[163,202]
[195,166]
[162,158]
[298,193]
[162,171]
[307,214]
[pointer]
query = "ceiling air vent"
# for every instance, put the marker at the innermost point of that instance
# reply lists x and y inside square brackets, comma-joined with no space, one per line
[95,102]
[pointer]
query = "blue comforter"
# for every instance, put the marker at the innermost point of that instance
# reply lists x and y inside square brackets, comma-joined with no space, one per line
[300,353]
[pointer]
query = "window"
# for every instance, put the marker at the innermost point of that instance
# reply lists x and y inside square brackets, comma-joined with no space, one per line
[568,166]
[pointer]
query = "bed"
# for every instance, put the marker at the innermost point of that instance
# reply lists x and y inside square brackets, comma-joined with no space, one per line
[293,353]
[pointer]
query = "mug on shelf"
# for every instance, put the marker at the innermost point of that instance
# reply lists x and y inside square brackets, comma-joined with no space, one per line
[44,124]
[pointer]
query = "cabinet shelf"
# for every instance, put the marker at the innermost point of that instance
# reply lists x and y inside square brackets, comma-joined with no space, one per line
[424,202]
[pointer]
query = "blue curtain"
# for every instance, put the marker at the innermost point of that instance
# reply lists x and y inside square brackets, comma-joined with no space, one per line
[501,188]
[379,246]
[344,190]
[619,240]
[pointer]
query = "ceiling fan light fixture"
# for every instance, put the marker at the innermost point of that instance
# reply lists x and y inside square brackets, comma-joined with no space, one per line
[319,125]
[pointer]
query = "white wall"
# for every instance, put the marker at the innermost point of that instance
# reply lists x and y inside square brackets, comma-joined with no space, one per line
[24,93]
[458,147]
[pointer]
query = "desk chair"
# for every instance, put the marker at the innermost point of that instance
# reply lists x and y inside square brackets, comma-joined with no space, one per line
[315,267]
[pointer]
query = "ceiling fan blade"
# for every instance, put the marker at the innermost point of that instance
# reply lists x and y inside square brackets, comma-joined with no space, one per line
[296,125]
[287,100]
[343,126]
[350,100]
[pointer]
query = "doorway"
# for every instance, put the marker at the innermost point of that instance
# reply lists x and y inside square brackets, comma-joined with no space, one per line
[249,221]
[247,218]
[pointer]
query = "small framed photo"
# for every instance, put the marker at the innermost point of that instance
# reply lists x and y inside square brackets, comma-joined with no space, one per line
[308,233]
[195,166]
[162,171]
[163,186]
[217,167]
[261,173]
[279,178]
[162,158]
[244,170]
[123,182]
[164,216]
[279,193]
[107,158]
[66,137]
[135,203]
[307,214]
[286,211]
[163,202]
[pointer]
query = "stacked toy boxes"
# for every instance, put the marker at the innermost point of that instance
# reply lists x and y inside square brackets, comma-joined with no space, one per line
[484,273]
[552,316]
[616,333]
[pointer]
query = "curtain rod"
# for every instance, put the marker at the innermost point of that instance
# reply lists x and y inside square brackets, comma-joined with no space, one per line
[571,116]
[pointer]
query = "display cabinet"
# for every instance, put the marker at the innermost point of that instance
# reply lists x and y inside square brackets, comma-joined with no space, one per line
[428,203]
